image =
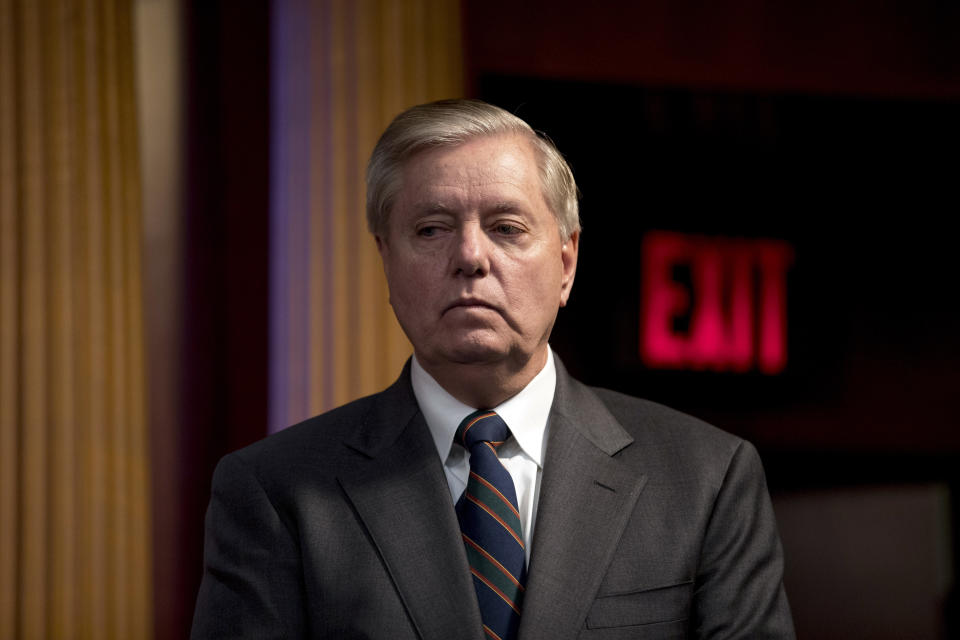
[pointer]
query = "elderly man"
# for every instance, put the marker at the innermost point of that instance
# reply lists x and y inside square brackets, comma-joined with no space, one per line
[487,493]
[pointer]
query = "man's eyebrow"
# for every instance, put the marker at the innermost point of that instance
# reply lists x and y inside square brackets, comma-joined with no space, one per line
[503,206]
[432,207]
[506,206]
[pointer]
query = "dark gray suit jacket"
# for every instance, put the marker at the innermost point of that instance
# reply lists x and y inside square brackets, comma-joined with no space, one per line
[650,524]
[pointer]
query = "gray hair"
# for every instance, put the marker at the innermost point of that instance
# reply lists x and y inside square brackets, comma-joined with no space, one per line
[448,123]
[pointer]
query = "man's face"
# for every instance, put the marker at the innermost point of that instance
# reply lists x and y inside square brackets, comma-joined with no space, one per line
[473,257]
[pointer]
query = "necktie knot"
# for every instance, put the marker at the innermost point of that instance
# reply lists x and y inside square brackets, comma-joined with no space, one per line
[482,426]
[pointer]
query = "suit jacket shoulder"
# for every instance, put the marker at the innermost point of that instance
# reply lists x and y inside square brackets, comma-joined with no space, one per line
[339,526]
[677,440]
[664,523]
[365,421]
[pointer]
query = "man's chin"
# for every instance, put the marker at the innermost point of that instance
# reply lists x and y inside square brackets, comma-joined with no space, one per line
[477,354]
[469,352]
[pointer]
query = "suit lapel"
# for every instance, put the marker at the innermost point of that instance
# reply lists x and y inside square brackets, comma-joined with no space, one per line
[399,491]
[586,498]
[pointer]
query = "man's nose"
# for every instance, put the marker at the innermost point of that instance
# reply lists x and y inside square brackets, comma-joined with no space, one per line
[471,253]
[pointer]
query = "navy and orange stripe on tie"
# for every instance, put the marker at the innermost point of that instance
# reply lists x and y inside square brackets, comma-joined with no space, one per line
[505,500]
[495,589]
[490,633]
[507,528]
[473,549]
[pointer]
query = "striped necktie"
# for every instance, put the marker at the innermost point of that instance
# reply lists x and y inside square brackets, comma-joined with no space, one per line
[490,524]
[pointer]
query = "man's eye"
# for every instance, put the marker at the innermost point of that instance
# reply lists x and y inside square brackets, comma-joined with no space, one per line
[427,232]
[507,229]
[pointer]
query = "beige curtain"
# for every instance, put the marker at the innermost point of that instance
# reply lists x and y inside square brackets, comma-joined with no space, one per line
[74,513]
[343,69]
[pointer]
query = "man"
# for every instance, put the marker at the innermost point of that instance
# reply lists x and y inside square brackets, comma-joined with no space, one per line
[597,515]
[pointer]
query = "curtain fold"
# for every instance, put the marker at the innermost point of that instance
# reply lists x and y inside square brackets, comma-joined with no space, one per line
[74,509]
[341,70]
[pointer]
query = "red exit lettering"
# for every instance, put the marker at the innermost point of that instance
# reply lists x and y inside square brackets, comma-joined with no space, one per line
[729,312]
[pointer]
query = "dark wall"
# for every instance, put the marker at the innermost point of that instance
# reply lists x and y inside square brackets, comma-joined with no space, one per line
[855,47]
[223,381]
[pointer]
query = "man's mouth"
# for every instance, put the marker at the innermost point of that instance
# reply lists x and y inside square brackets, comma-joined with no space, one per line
[469,303]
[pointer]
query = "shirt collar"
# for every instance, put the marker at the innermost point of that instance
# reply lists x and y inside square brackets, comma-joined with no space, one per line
[525,413]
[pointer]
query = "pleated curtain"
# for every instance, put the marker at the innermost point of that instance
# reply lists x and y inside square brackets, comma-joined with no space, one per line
[74,510]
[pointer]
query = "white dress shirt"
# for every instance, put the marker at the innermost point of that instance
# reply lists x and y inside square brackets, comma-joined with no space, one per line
[526,415]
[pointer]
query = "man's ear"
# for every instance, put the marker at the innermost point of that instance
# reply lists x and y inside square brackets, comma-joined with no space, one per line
[568,258]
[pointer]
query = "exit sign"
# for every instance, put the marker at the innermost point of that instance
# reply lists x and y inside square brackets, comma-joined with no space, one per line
[714,303]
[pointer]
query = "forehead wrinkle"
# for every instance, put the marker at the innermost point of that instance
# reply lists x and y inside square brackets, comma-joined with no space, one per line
[506,170]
